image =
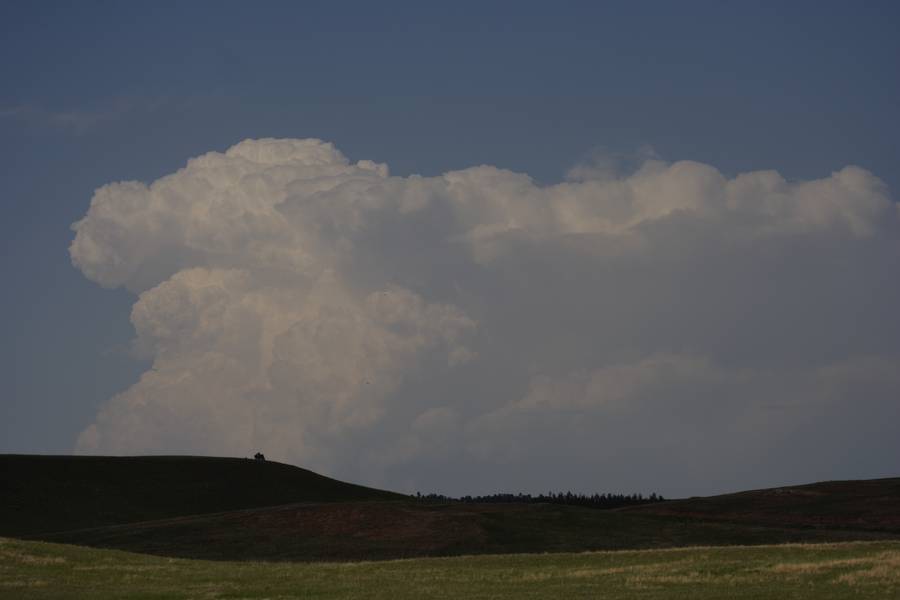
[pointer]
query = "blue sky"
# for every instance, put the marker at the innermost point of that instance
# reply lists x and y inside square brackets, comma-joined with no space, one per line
[96,92]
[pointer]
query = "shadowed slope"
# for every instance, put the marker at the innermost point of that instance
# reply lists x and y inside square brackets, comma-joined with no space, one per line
[383,530]
[865,504]
[55,493]
[237,509]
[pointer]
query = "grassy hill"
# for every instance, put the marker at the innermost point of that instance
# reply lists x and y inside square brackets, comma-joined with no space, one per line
[40,494]
[237,509]
[869,505]
[388,530]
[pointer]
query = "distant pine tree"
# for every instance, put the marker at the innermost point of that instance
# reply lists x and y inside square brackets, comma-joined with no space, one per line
[601,501]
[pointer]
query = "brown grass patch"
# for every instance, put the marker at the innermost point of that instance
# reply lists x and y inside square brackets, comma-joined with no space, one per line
[29,559]
[123,568]
[885,570]
[816,567]
[20,583]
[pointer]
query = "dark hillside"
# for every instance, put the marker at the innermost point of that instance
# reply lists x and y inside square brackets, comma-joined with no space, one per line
[238,509]
[40,494]
[387,530]
[865,504]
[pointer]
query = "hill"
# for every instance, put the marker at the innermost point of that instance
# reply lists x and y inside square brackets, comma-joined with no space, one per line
[388,530]
[238,509]
[868,505]
[41,494]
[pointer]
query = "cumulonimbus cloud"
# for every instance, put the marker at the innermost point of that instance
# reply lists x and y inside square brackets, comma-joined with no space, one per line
[372,326]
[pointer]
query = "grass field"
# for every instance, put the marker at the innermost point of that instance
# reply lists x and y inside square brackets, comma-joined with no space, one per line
[814,571]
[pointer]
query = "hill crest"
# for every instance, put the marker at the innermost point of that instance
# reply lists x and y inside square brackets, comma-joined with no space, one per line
[42,493]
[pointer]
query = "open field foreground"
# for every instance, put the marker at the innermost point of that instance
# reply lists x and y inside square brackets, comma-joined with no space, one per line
[820,571]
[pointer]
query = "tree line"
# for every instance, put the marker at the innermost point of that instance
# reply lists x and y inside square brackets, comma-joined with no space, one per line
[604,501]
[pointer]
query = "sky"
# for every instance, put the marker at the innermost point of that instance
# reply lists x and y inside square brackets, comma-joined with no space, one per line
[460,248]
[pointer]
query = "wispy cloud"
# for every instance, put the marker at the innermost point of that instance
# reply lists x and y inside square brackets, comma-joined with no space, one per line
[79,121]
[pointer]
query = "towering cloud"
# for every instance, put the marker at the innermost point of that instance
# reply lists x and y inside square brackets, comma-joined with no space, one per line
[374,326]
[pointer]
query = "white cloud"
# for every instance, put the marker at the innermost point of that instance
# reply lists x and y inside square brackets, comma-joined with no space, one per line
[374,326]
[768,424]
[241,363]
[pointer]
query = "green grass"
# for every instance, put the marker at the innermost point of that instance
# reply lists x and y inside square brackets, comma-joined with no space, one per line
[816,571]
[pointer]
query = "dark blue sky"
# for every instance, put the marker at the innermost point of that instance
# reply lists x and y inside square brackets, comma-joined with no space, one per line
[94,92]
